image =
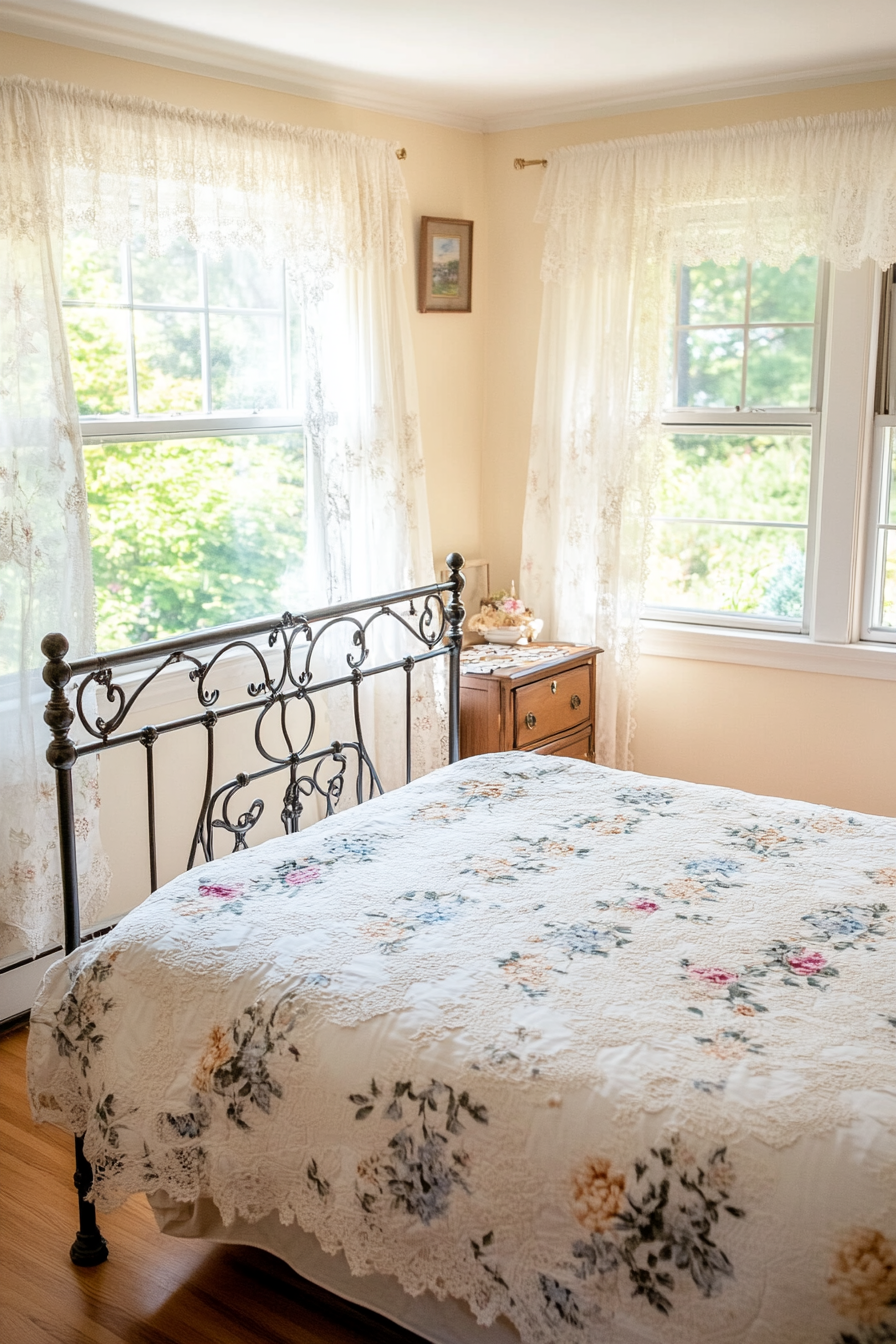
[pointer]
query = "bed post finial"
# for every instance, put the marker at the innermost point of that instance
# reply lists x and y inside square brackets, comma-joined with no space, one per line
[455,613]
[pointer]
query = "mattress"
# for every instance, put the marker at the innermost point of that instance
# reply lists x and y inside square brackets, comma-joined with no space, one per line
[601,1055]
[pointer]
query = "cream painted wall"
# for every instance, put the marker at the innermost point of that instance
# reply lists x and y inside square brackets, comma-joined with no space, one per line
[444,172]
[826,739]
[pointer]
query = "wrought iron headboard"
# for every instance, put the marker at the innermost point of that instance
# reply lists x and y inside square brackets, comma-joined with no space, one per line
[430,619]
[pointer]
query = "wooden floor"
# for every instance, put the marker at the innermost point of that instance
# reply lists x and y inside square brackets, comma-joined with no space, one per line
[153,1289]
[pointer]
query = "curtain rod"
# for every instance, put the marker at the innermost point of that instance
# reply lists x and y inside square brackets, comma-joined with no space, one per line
[530,163]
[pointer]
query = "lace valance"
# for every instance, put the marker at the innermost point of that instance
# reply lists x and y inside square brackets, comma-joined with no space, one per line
[773,191]
[121,166]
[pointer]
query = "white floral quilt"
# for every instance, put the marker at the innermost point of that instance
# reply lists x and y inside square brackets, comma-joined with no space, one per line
[611,1056]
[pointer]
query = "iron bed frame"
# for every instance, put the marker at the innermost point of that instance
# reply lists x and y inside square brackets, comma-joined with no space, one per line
[286,677]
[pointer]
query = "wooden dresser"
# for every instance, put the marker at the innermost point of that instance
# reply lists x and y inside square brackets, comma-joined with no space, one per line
[547,707]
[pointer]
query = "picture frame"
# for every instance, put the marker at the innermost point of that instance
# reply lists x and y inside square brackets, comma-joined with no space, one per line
[445,270]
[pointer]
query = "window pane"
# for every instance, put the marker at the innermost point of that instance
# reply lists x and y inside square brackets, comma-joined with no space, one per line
[239,280]
[710,364]
[171,278]
[96,343]
[888,596]
[779,366]
[713,567]
[90,271]
[759,479]
[784,296]
[753,477]
[711,294]
[169,362]
[890,511]
[194,533]
[246,362]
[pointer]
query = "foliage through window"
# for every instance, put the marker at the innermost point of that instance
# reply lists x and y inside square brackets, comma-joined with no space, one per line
[731,534]
[187,373]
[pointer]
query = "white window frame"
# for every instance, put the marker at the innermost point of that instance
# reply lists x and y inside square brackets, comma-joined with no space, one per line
[832,638]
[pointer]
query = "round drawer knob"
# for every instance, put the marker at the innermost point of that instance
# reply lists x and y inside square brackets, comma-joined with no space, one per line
[576,701]
[530,720]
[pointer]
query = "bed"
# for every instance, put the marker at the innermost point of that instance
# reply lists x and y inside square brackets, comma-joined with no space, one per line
[526,1048]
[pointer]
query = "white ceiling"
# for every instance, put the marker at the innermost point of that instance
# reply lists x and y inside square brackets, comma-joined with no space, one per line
[491,64]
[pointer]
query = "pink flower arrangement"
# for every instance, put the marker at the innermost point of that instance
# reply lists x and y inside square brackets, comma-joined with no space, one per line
[220,893]
[712,975]
[642,903]
[806,962]
[299,876]
[513,605]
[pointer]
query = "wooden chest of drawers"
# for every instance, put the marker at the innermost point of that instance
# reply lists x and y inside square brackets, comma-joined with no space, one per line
[547,708]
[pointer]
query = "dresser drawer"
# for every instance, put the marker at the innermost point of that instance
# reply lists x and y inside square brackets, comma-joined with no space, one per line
[579,744]
[551,706]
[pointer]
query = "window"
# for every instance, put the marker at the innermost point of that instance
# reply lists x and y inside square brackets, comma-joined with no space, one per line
[733,538]
[187,374]
[880,588]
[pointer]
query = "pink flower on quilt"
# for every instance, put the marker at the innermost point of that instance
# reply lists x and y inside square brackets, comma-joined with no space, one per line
[712,975]
[642,903]
[299,876]
[806,962]
[220,893]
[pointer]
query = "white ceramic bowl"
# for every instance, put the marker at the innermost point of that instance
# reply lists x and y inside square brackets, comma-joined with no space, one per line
[503,634]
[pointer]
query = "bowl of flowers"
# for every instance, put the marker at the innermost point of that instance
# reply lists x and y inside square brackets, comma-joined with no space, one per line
[504,619]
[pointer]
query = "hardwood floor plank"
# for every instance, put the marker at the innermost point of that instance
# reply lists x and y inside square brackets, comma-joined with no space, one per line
[153,1289]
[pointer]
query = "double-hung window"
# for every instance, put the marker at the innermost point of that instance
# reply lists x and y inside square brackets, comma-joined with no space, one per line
[733,538]
[187,374]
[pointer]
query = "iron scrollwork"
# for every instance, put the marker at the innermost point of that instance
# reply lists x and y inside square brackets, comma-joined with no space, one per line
[293,663]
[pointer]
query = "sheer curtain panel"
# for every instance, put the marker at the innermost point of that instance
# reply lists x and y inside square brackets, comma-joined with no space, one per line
[619,216]
[326,203]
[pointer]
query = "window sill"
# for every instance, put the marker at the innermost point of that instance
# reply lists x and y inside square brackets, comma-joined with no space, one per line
[753,648]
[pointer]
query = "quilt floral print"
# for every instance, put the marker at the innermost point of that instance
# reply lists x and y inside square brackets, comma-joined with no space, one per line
[610,1056]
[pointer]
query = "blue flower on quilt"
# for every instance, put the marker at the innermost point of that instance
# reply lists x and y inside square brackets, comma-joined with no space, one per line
[422,1164]
[361,849]
[590,940]
[852,925]
[647,799]
[706,867]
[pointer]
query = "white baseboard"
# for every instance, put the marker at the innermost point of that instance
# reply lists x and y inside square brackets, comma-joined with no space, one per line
[19,985]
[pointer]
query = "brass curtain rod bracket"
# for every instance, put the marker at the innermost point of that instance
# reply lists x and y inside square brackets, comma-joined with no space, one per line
[401,153]
[530,163]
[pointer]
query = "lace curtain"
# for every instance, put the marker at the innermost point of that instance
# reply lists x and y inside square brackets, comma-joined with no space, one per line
[329,205]
[619,216]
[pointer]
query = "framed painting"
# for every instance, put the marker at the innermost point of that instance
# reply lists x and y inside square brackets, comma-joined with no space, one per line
[446,265]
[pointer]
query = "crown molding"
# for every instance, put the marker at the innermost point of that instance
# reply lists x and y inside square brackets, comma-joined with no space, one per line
[94,29]
[557,113]
[132,39]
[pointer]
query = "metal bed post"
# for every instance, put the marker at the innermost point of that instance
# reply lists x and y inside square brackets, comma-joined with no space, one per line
[455,613]
[89,1246]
